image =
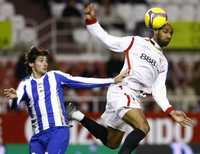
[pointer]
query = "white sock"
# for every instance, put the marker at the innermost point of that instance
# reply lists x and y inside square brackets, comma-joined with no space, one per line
[77,115]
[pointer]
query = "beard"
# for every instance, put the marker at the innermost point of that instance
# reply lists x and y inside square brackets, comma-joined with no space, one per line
[163,43]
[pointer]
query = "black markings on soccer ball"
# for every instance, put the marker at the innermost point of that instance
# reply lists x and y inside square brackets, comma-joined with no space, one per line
[152,15]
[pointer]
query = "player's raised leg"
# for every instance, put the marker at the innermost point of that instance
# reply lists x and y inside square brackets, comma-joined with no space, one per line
[136,119]
[109,136]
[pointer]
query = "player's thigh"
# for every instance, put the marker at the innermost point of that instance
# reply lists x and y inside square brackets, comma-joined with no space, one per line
[114,137]
[59,141]
[35,146]
[137,119]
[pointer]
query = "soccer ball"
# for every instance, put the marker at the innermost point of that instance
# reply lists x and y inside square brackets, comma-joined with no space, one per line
[155,18]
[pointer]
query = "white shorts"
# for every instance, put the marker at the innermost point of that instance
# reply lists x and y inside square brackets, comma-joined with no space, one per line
[120,99]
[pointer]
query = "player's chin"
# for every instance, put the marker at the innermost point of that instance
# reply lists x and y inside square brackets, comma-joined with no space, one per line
[165,43]
[44,71]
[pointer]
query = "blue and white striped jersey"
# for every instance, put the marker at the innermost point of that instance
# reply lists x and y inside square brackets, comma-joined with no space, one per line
[44,97]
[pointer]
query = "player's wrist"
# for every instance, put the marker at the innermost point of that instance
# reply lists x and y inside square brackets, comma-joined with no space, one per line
[169,110]
[90,21]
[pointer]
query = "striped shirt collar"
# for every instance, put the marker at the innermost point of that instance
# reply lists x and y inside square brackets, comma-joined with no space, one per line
[38,79]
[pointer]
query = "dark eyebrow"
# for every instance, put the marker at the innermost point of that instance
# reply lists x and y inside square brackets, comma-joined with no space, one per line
[42,57]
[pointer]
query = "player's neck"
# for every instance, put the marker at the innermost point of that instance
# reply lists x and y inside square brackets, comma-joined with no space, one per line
[155,42]
[37,75]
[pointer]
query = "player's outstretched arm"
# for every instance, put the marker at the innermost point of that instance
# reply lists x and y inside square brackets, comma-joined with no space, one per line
[181,118]
[113,43]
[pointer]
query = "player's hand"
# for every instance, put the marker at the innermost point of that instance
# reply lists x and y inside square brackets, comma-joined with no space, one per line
[121,76]
[90,12]
[181,118]
[10,93]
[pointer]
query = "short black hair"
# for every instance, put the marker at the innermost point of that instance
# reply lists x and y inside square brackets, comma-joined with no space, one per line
[31,56]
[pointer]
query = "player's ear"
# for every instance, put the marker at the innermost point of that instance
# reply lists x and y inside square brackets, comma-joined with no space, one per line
[30,65]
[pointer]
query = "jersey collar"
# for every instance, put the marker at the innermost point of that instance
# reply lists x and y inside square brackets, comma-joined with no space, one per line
[155,44]
[38,79]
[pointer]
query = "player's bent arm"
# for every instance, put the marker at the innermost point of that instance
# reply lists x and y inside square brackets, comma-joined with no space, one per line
[159,93]
[21,92]
[116,44]
[15,96]
[13,103]
[12,96]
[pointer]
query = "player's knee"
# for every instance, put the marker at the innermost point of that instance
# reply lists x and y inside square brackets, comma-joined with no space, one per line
[144,127]
[113,145]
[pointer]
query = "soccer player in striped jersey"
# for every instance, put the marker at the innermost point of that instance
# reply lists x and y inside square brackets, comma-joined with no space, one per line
[43,93]
[147,67]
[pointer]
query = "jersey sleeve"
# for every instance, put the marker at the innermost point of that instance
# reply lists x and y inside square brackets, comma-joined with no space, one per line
[116,44]
[21,93]
[82,82]
[159,92]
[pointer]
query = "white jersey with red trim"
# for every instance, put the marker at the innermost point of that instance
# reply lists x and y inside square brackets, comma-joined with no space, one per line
[144,59]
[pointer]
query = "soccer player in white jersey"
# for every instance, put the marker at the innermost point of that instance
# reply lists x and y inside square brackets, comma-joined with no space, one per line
[147,67]
[43,93]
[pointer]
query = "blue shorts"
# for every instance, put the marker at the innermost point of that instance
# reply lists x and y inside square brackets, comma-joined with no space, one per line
[53,140]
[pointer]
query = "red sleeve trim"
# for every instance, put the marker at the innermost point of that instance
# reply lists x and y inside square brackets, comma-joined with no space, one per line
[130,45]
[169,109]
[90,21]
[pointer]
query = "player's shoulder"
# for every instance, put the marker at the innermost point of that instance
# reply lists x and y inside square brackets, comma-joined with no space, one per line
[57,72]
[127,39]
[133,38]
[53,72]
[25,80]
[140,38]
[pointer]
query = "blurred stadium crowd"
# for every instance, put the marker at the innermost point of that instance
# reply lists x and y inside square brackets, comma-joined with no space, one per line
[119,17]
[182,82]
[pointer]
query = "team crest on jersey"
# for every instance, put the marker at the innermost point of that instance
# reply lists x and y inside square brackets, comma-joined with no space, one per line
[162,65]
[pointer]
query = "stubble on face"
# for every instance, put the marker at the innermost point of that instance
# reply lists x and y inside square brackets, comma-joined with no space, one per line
[165,35]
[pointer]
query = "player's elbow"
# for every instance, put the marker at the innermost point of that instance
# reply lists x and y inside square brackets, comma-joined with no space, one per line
[13,104]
